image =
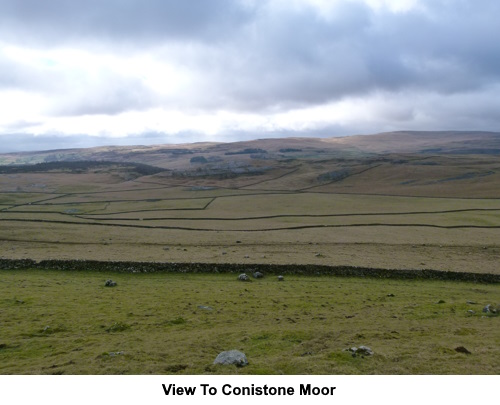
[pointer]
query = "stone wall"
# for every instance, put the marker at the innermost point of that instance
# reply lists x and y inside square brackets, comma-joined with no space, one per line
[303,269]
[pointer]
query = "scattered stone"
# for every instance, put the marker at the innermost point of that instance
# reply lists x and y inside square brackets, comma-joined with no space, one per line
[258,274]
[470,311]
[471,302]
[238,241]
[491,309]
[232,357]
[461,349]
[361,351]
[110,283]
[243,277]
[205,307]
[113,354]
[318,255]
[440,302]
[281,278]
[247,257]
[390,295]
[364,351]
[224,253]
[166,248]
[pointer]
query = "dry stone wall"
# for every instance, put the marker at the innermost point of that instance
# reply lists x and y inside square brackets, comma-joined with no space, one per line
[302,269]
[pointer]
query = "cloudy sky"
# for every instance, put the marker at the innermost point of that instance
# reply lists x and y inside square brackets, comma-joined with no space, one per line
[76,73]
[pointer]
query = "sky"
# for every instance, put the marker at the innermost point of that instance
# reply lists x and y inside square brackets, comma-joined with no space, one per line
[77,73]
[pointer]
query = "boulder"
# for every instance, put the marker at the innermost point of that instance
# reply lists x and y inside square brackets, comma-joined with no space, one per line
[110,283]
[243,277]
[232,357]
[258,274]
[281,278]
[361,351]
[364,351]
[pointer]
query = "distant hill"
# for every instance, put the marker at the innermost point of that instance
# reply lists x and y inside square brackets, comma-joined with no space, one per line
[178,157]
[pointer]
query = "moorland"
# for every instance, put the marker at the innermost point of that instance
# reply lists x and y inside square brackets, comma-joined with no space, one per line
[402,201]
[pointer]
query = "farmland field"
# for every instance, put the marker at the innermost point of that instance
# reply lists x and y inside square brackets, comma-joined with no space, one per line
[195,222]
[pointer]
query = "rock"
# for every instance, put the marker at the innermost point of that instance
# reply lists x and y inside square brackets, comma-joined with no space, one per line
[440,302]
[390,295]
[470,311]
[205,307]
[364,351]
[281,278]
[461,349]
[110,283]
[247,257]
[471,302]
[361,351]
[243,277]
[232,357]
[258,274]
[113,354]
[490,309]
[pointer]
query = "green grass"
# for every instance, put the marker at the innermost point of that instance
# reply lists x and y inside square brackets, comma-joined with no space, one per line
[69,323]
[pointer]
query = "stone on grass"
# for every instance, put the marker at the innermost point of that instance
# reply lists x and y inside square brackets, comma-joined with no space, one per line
[461,349]
[243,277]
[258,274]
[281,278]
[113,354]
[110,283]
[361,351]
[491,309]
[232,357]
[364,351]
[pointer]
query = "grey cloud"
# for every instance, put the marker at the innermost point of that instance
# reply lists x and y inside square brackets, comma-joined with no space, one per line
[106,95]
[265,56]
[290,57]
[269,55]
[52,21]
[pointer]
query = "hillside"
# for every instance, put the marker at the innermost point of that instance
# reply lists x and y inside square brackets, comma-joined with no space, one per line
[401,200]
[179,156]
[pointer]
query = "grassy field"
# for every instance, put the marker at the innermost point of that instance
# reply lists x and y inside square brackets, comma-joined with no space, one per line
[316,204]
[70,323]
